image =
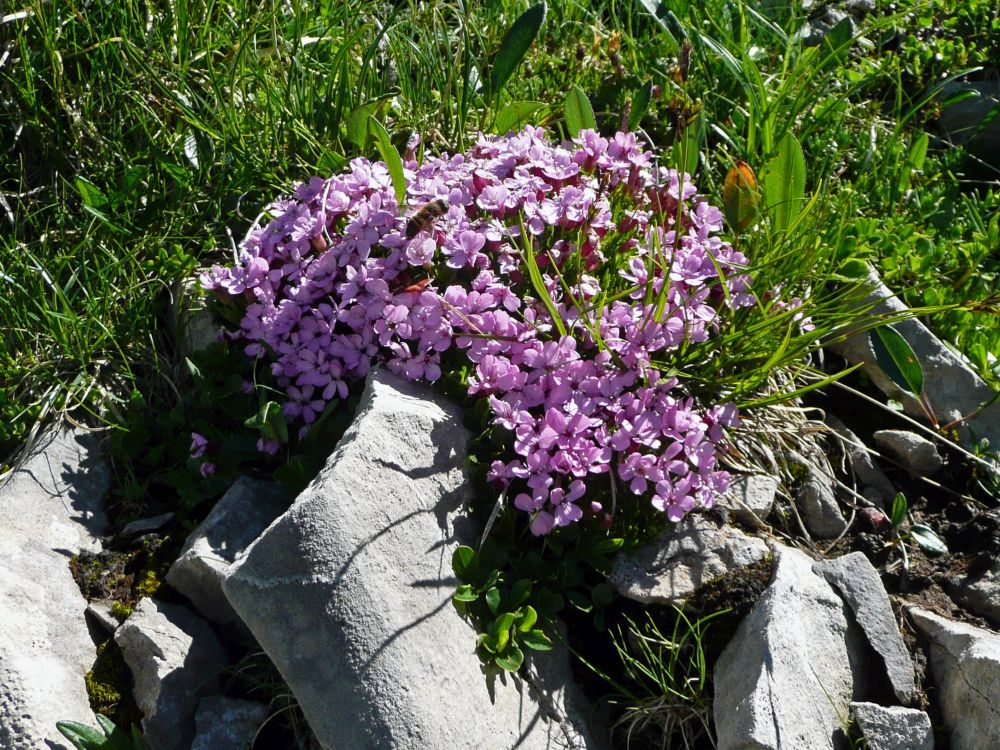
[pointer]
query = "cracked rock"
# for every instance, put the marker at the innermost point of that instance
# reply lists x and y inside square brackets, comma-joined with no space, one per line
[682,559]
[893,728]
[349,593]
[750,498]
[965,662]
[859,584]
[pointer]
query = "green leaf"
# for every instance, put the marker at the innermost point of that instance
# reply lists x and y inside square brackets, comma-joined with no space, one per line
[82,736]
[512,660]
[740,197]
[897,359]
[528,619]
[91,195]
[515,45]
[391,158]
[502,627]
[784,182]
[640,104]
[515,116]
[463,562]
[356,124]
[578,112]
[914,163]
[898,510]
[602,595]
[687,149]
[550,602]
[537,640]
[465,593]
[666,18]
[493,599]
[855,268]
[927,540]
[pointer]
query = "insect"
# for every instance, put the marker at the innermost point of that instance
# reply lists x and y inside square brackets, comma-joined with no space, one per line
[424,216]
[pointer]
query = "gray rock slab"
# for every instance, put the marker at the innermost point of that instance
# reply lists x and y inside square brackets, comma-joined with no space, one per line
[175,658]
[349,593]
[143,525]
[788,676]
[893,727]
[817,504]
[227,723]
[916,453]
[50,509]
[875,485]
[237,519]
[854,578]
[750,498]
[952,388]
[683,558]
[965,662]
[978,592]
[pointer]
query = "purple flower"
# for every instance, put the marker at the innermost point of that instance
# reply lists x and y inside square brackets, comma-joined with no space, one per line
[199,444]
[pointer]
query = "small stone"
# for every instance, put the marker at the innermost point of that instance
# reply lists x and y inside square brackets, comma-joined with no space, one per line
[978,592]
[682,559]
[227,723]
[893,728]
[965,663]
[175,658]
[101,613]
[236,520]
[145,525]
[916,453]
[859,584]
[750,498]
[816,502]
[787,677]
[876,485]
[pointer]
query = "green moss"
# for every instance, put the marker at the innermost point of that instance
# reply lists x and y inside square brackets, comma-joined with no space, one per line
[149,584]
[109,686]
[120,611]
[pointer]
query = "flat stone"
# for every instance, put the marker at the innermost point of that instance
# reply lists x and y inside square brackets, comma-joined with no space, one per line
[682,559]
[787,677]
[237,519]
[893,727]
[978,592]
[916,453]
[50,509]
[349,593]
[875,485]
[101,613]
[175,658]
[145,525]
[965,662]
[953,390]
[227,723]
[859,584]
[750,498]
[817,504]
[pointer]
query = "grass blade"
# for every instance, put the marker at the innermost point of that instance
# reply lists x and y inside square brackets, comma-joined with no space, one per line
[391,158]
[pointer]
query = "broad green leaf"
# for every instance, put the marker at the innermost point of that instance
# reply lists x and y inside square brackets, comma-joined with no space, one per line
[516,115]
[898,510]
[493,599]
[515,45]
[537,640]
[502,628]
[915,159]
[687,149]
[579,114]
[91,195]
[465,593]
[462,561]
[640,104]
[82,736]
[897,359]
[528,619]
[356,124]
[927,540]
[666,17]
[602,595]
[520,592]
[391,158]
[784,182]
[512,660]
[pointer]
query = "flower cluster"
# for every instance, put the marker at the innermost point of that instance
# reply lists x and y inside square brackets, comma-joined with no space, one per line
[566,273]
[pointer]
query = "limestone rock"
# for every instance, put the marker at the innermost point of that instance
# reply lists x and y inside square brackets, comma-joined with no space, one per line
[916,453]
[750,498]
[787,677]
[227,723]
[953,390]
[859,584]
[175,658]
[144,525]
[349,593]
[50,509]
[965,662]
[817,504]
[875,485]
[978,592]
[247,508]
[682,559]
[193,325]
[893,728]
